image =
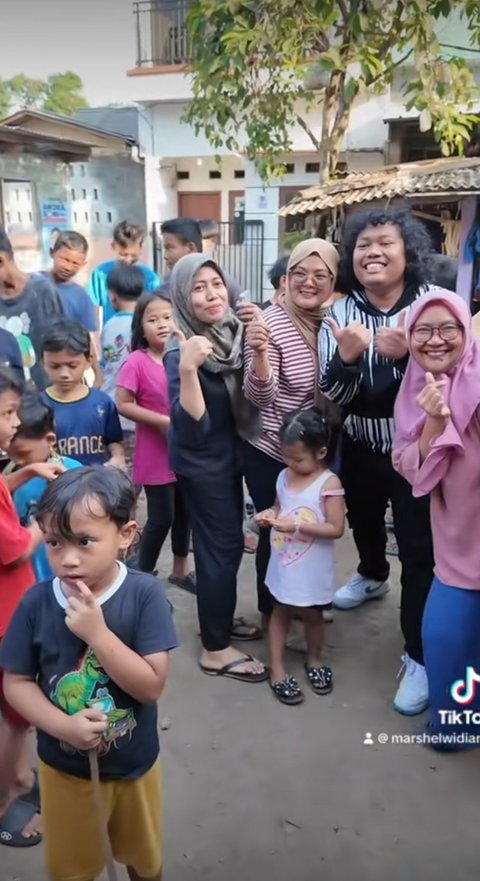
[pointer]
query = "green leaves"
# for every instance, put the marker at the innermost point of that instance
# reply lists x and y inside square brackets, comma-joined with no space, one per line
[257,63]
[61,93]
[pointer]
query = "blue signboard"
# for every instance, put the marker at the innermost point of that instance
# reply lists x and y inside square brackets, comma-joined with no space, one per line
[55,219]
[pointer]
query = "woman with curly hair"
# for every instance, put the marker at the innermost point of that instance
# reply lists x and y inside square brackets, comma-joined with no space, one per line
[363,350]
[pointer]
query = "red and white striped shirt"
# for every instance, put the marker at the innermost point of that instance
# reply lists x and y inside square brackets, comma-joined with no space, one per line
[291,384]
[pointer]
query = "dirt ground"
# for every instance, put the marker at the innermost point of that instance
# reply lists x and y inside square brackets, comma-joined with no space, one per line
[257,790]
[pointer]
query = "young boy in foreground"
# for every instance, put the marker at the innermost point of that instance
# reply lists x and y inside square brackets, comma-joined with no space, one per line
[85,660]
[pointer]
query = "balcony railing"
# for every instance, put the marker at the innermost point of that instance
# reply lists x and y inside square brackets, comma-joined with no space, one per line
[162,36]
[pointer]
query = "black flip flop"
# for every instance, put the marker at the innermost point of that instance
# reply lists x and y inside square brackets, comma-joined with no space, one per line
[320,679]
[288,691]
[238,636]
[188,583]
[14,821]
[228,671]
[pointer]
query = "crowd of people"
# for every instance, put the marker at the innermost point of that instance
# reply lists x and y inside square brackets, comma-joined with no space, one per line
[355,389]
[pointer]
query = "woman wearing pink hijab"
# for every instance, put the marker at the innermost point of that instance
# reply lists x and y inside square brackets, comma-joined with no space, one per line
[437,449]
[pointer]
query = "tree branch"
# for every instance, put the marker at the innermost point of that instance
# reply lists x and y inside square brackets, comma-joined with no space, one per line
[306,128]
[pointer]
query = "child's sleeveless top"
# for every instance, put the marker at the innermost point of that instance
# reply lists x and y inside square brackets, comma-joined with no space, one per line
[301,570]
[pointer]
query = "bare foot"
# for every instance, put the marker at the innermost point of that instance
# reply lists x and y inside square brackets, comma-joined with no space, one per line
[217,660]
[250,543]
[277,674]
[33,827]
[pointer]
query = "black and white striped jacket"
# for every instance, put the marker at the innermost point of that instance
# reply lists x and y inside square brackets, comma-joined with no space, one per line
[366,390]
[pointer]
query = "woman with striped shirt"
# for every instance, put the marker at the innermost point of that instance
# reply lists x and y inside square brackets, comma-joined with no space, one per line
[281,374]
[385,262]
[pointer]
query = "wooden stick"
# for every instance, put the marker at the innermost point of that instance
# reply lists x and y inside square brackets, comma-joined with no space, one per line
[102,819]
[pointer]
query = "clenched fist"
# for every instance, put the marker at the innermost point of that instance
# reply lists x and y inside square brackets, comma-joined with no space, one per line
[391,342]
[352,341]
[194,352]
[431,398]
[258,334]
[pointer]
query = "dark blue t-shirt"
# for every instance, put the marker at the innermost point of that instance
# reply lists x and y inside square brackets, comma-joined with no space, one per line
[76,303]
[85,428]
[38,644]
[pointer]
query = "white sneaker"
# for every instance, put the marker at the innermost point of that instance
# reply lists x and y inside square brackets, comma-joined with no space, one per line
[412,694]
[358,591]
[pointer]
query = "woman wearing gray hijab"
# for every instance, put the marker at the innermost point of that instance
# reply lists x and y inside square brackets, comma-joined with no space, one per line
[210,421]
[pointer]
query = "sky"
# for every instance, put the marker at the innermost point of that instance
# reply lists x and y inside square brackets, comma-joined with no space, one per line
[94,38]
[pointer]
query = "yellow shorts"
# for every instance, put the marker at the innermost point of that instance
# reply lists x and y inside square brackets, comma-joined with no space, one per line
[73,843]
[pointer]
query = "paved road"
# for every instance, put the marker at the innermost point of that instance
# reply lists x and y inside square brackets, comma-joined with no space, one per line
[257,790]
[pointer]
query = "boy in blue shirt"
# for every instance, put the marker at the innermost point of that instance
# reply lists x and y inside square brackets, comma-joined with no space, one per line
[69,255]
[86,658]
[128,239]
[86,419]
[125,287]
[34,443]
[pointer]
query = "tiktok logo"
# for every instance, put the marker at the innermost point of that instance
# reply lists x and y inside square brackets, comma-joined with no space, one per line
[463,690]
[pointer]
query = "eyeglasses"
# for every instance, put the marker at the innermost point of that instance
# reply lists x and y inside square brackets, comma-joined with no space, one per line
[447,332]
[318,278]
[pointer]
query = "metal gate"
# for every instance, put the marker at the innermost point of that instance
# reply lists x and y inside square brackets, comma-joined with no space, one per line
[240,253]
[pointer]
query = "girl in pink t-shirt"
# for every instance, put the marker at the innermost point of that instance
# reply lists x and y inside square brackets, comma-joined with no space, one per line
[142,396]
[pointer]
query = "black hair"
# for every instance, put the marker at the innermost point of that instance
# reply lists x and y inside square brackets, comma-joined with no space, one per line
[443,271]
[5,243]
[70,239]
[9,382]
[36,417]
[418,246]
[209,229]
[67,335]
[185,229]
[278,270]
[108,486]
[126,281]
[126,233]
[313,429]
[138,339]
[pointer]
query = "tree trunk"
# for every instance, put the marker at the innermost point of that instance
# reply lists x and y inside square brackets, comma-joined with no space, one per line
[335,118]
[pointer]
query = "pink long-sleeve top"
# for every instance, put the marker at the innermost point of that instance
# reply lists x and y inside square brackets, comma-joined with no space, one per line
[451,474]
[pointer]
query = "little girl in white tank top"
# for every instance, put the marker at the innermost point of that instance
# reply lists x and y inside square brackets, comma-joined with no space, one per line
[308,515]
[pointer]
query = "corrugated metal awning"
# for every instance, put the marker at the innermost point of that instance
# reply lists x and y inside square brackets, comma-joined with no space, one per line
[455,175]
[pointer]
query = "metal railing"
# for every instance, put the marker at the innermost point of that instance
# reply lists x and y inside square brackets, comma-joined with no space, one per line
[240,253]
[161,30]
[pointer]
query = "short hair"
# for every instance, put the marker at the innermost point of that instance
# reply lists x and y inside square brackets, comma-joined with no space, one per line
[126,281]
[36,416]
[443,271]
[111,488]
[9,382]
[5,243]
[126,233]
[138,339]
[67,335]
[70,239]
[418,246]
[278,270]
[312,428]
[209,229]
[186,229]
